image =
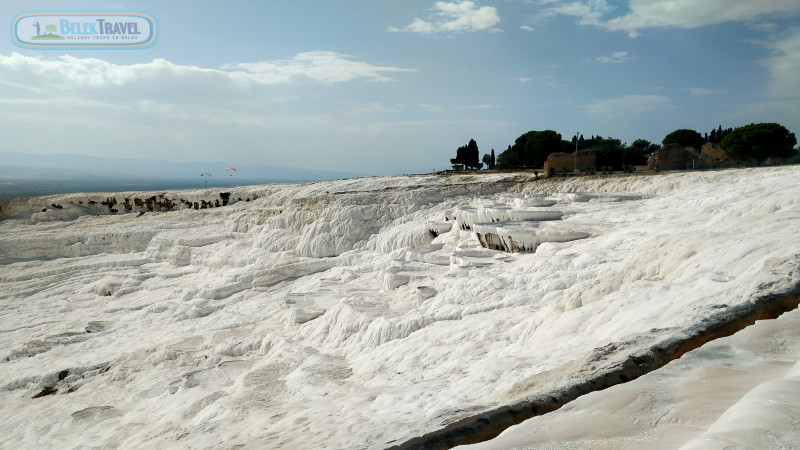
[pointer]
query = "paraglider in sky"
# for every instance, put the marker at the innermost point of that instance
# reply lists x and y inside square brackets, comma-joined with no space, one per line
[205,174]
[231,168]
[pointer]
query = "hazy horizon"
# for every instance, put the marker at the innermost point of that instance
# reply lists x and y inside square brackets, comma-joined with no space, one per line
[37,175]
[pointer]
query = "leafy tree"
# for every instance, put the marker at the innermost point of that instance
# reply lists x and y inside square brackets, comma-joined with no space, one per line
[717,134]
[50,29]
[645,147]
[685,138]
[609,152]
[721,134]
[472,153]
[488,160]
[508,159]
[468,156]
[584,144]
[759,141]
[461,156]
[612,154]
[581,143]
[533,147]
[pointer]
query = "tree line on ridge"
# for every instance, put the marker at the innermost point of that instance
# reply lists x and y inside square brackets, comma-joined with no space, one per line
[754,142]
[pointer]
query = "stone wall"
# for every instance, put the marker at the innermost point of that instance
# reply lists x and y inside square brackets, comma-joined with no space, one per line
[714,151]
[586,158]
[676,157]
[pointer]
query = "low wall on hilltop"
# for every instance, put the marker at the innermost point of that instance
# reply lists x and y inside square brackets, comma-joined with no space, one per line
[557,161]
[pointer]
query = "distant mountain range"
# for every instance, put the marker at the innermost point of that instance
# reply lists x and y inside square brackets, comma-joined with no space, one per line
[25,175]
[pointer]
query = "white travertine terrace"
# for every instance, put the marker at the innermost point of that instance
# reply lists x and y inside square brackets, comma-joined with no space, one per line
[355,314]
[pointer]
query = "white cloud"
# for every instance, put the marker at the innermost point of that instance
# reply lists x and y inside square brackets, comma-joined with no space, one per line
[432,108]
[370,109]
[555,81]
[694,14]
[784,66]
[783,85]
[614,58]
[322,66]
[626,105]
[588,12]
[526,28]
[699,92]
[442,108]
[671,13]
[68,72]
[520,79]
[419,26]
[483,106]
[455,17]
[164,110]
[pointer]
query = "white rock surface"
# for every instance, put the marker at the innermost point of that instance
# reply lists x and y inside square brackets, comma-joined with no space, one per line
[194,342]
[742,391]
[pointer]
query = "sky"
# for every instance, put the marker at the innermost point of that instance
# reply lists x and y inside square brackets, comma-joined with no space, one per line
[389,87]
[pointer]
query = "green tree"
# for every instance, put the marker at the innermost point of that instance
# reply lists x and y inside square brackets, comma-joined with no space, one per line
[488,160]
[508,159]
[645,147]
[685,138]
[533,147]
[473,155]
[610,152]
[458,161]
[717,134]
[468,156]
[759,141]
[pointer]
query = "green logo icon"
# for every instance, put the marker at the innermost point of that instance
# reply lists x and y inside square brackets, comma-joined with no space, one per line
[50,32]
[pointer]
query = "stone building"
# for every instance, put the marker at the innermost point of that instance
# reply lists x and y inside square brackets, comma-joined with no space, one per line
[676,157]
[557,161]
